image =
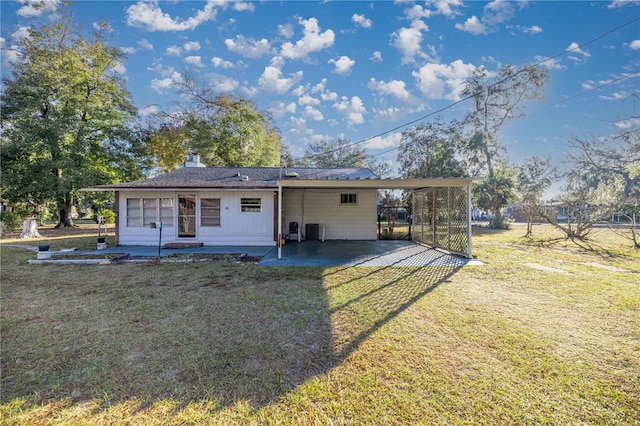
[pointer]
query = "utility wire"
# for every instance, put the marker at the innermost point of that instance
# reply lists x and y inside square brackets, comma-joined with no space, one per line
[466,98]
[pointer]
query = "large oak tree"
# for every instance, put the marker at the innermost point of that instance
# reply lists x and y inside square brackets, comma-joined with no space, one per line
[66,118]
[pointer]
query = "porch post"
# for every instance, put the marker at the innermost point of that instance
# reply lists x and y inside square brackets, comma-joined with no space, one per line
[469,252]
[279,221]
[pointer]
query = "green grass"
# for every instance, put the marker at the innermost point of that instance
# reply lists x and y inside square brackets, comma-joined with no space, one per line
[226,343]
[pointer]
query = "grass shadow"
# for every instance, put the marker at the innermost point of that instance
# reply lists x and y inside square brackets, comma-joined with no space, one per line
[217,332]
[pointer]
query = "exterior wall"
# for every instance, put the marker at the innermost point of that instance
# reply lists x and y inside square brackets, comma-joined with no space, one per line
[322,206]
[236,227]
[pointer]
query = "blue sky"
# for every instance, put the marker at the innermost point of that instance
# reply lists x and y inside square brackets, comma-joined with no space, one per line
[360,69]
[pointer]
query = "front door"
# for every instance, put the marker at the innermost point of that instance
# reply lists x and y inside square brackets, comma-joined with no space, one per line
[186,216]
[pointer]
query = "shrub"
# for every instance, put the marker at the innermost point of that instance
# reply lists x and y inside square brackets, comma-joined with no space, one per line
[108,216]
[10,222]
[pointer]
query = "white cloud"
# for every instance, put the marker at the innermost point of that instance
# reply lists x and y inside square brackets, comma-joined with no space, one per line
[441,81]
[391,140]
[272,81]
[312,41]
[376,56]
[473,25]
[160,69]
[145,44]
[307,99]
[361,20]
[248,47]
[191,46]
[221,63]
[325,94]
[635,45]
[21,33]
[622,3]
[34,8]
[279,109]
[148,110]
[119,68]
[149,16]
[352,108]
[312,113]
[174,51]
[628,123]
[574,49]
[161,85]
[395,88]
[223,83]
[241,6]
[495,13]
[194,60]
[550,63]
[588,85]
[342,65]
[417,12]
[409,40]
[286,30]
[448,8]
[531,30]
[498,11]
[617,96]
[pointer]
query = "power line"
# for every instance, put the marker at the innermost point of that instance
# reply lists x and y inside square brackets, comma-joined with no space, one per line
[451,105]
[600,86]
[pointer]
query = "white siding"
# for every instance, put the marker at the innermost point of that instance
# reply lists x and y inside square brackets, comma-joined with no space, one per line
[340,222]
[236,227]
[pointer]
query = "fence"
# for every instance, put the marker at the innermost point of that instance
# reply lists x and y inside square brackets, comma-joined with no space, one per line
[441,218]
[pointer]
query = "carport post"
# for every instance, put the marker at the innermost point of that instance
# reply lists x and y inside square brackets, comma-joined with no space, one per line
[469,255]
[279,221]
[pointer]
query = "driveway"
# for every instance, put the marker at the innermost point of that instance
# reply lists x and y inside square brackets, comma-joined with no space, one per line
[360,253]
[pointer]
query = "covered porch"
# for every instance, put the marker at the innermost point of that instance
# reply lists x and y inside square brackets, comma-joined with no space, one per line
[441,208]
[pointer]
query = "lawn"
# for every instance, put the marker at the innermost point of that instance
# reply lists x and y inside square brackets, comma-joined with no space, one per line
[542,332]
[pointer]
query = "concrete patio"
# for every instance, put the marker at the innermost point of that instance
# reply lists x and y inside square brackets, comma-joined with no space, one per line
[315,253]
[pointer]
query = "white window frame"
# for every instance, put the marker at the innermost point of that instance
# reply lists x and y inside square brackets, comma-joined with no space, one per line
[348,199]
[210,209]
[142,211]
[251,205]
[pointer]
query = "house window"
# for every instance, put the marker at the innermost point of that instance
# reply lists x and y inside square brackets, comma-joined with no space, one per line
[210,212]
[141,212]
[166,211]
[134,216]
[149,211]
[348,199]
[251,204]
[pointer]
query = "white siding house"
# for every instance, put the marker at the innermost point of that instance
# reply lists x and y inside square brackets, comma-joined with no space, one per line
[238,206]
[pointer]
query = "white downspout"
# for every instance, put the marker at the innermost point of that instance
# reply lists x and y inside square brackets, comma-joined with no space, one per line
[279,220]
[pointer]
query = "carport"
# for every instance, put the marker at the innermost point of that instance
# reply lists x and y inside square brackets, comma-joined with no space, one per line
[441,208]
[383,253]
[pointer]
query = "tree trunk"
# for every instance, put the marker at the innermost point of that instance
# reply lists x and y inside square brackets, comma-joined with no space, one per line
[30,229]
[64,213]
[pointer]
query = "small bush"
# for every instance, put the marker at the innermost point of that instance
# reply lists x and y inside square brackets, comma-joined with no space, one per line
[10,222]
[108,216]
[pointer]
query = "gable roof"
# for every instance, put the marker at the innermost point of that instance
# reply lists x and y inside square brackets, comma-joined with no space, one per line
[239,177]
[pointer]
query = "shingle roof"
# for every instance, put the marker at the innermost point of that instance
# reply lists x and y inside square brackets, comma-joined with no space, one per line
[240,177]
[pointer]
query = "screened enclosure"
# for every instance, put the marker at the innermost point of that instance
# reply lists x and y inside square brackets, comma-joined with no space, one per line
[441,218]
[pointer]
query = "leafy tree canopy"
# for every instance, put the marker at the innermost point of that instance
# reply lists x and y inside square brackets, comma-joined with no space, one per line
[341,153]
[225,130]
[66,118]
[431,150]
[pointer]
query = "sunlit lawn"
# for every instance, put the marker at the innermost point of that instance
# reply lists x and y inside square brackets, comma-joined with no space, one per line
[508,342]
